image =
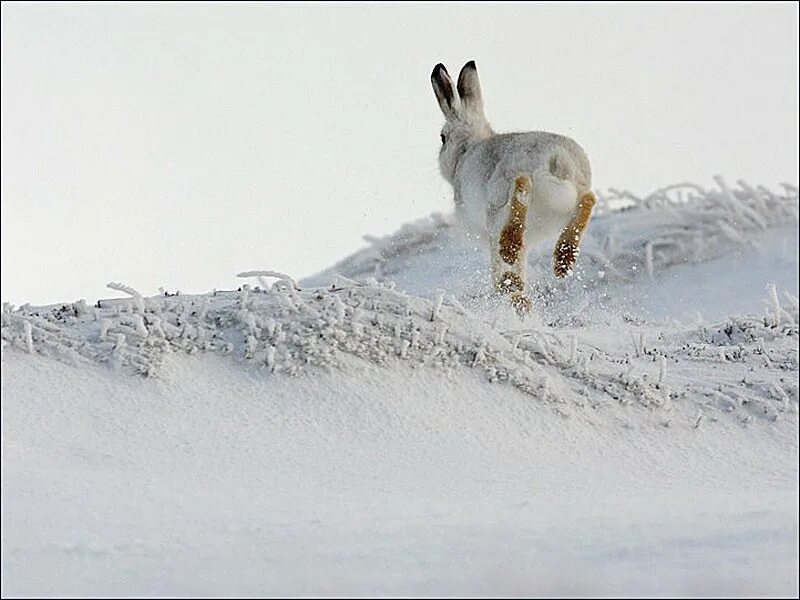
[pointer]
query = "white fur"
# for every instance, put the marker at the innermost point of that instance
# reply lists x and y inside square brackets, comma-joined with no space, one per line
[482,165]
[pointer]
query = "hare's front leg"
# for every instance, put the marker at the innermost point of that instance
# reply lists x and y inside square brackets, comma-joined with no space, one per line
[509,254]
[568,244]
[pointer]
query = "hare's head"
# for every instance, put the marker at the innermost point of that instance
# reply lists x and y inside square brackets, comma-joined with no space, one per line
[466,123]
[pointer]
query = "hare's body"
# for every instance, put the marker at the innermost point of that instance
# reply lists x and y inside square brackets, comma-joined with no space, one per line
[514,190]
[558,168]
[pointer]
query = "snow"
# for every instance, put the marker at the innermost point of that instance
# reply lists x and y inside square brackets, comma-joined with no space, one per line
[386,427]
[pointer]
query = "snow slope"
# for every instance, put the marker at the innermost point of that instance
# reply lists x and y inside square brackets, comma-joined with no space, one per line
[386,427]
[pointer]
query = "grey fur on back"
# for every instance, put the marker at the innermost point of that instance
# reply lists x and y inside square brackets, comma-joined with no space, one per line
[491,162]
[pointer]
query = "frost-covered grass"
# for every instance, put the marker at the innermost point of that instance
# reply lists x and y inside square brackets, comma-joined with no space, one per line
[288,331]
[387,427]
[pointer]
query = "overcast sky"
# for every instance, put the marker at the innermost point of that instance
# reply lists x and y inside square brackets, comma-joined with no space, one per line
[176,145]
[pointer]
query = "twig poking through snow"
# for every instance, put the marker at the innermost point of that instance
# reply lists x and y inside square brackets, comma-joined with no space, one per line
[437,304]
[250,346]
[119,342]
[662,371]
[480,355]
[415,338]
[104,325]
[121,287]
[137,297]
[140,327]
[773,295]
[698,420]
[28,337]
[403,352]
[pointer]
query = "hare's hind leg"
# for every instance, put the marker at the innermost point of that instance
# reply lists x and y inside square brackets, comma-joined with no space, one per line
[509,254]
[568,245]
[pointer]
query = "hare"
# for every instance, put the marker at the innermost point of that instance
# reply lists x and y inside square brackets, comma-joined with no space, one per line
[513,189]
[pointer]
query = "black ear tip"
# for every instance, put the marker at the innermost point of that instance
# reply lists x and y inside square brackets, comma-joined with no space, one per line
[471,65]
[437,69]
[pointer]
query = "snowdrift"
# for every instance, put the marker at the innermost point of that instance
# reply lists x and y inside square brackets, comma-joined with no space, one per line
[388,427]
[359,309]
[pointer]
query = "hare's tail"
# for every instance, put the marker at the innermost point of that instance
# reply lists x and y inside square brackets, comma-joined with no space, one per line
[509,253]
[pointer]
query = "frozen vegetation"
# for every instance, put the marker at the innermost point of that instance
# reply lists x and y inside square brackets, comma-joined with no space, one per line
[388,427]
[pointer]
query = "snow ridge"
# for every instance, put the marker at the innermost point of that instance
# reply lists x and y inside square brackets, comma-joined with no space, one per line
[282,330]
[630,237]
[568,361]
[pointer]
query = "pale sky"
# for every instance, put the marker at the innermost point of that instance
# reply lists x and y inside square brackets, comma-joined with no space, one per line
[176,145]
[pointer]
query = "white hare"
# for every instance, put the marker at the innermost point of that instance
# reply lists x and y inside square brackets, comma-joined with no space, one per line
[513,189]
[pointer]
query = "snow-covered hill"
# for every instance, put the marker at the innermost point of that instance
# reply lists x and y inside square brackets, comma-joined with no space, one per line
[387,427]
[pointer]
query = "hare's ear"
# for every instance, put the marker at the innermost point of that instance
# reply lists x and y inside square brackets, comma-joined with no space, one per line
[469,89]
[445,94]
